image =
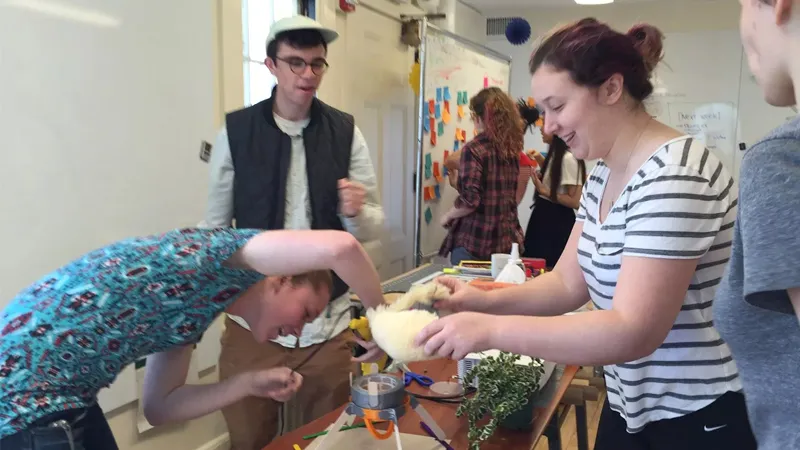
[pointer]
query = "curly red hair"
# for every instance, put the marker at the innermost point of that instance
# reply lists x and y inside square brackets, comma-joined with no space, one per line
[502,122]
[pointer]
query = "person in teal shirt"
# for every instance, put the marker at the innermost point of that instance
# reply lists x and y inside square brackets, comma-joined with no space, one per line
[70,334]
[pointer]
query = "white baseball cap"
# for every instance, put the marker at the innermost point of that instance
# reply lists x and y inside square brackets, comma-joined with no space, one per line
[301,23]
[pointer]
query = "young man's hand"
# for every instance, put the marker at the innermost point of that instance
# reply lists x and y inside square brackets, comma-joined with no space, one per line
[373,354]
[351,197]
[279,384]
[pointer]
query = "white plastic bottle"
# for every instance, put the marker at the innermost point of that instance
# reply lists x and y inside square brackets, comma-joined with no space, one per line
[514,271]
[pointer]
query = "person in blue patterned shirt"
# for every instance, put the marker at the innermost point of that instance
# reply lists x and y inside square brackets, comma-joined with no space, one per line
[71,333]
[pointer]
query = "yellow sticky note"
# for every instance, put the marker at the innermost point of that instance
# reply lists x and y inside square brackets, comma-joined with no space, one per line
[460,111]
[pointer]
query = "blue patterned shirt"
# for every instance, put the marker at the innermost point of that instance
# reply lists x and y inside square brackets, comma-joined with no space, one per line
[72,332]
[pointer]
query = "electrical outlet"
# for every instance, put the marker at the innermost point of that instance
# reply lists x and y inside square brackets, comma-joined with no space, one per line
[205,151]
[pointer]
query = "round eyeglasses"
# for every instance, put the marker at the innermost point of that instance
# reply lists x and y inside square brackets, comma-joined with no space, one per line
[298,65]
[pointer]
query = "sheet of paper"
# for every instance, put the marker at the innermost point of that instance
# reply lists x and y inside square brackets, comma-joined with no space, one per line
[359,438]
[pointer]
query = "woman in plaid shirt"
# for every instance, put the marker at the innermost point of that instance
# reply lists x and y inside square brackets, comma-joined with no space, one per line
[483,219]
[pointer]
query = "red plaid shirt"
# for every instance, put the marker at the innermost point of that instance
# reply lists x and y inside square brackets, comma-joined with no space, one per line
[487,183]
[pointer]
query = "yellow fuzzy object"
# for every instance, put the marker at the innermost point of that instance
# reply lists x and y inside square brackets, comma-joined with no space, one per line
[394,325]
[414,78]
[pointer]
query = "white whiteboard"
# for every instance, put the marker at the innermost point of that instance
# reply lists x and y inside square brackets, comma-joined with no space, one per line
[704,88]
[460,66]
[103,107]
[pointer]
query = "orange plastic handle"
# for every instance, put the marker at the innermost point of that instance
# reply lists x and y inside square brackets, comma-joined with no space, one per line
[376,434]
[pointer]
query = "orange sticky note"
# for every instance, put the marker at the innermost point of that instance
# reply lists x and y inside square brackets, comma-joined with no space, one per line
[447,105]
[426,194]
[458,134]
[446,115]
[446,154]
[460,111]
[429,193]
[433,137]
[432,124]
[436,170]
[431,107]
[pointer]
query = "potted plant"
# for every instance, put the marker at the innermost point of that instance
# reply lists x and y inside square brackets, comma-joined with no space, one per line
[504,392]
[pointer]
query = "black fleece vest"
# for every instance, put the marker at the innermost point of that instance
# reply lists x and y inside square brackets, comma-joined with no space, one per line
[261,154]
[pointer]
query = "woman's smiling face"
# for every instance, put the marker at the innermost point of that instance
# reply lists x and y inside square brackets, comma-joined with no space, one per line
[573,112]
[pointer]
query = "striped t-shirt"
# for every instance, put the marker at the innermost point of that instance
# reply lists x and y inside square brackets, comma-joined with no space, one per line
[681,204]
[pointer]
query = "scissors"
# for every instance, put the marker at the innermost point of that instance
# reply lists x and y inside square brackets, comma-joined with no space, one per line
[410,377]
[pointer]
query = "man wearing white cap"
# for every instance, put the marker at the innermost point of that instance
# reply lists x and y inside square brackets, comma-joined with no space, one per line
[293,162]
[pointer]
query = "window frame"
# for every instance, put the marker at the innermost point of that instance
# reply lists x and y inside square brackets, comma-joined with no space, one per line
[303,7]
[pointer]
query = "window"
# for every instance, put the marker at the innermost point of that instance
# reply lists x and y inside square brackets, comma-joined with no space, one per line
[257,18]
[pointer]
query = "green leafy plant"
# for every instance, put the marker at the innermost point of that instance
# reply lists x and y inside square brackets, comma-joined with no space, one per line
[503,388]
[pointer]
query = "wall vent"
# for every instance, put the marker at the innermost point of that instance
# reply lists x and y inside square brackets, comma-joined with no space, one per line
[496,26]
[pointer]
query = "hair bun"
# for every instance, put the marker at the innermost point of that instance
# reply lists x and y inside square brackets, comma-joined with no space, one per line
[649,41]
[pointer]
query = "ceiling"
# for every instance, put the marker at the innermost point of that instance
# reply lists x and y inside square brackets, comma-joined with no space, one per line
[485,5]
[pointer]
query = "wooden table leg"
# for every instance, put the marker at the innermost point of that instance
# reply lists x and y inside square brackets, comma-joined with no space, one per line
[581,427]
[553,433]
[577,395]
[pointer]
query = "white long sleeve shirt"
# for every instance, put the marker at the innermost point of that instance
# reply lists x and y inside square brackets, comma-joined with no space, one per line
[366,227]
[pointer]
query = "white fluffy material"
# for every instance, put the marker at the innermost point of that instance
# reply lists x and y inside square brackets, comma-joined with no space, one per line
[394,326]
[423,294]
[394,332]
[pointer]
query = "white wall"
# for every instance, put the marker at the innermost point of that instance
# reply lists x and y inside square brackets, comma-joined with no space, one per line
[668,15]
[209,432]
[469,23]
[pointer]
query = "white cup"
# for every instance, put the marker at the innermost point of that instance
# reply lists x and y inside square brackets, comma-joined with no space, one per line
[499,261]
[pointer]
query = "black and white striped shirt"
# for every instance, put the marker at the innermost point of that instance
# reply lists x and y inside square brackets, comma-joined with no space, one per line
[681,204]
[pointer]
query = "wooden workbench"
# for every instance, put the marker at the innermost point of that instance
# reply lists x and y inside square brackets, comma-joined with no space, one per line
[547,422]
